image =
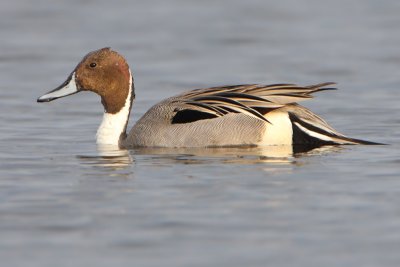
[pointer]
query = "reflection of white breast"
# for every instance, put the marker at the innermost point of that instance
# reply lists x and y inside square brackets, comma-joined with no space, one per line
[112,157]
[279,131]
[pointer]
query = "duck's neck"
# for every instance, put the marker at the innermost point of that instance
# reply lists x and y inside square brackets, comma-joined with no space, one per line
[112,129]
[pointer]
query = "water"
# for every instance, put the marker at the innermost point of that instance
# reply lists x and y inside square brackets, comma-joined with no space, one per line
[64,202]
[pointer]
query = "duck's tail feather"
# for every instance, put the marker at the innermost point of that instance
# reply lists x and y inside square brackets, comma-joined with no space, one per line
[309,129]
[359,141]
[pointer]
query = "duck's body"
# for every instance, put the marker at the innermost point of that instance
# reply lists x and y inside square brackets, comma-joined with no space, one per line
[174,123]
[242,115]
[200,133]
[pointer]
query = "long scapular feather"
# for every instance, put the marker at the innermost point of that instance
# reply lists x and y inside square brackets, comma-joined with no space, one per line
[249,99]
[232,104]
[207,108]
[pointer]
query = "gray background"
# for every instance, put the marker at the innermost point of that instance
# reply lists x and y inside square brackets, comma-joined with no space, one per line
[64,204]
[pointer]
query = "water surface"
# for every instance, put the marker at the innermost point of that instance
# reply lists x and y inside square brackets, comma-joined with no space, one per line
[64,202]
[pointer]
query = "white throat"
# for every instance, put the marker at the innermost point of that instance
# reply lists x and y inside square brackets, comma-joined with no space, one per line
[113,125]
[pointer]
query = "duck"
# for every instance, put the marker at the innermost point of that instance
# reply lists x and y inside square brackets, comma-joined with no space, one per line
[223,116]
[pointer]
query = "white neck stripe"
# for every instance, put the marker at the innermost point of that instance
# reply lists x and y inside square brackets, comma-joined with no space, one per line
[113,125]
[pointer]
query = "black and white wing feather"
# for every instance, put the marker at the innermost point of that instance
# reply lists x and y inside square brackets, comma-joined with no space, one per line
[254,100]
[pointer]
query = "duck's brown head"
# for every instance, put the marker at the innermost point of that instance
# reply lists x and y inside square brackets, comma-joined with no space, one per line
[104,72]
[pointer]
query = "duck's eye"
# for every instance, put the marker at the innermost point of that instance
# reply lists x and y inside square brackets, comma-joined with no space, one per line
[93,65]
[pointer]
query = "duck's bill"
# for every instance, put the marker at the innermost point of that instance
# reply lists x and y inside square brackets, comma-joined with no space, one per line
[67,88]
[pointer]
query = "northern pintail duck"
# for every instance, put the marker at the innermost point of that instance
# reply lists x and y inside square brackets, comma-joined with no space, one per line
[236,115]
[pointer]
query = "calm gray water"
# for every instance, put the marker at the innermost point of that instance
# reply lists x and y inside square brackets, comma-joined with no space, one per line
[64,202]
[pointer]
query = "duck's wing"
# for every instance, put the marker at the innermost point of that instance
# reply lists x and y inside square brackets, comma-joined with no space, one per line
[254,100]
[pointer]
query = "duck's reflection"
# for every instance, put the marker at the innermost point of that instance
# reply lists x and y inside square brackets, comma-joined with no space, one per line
[233,155]
[110,157]
[244,155]
[114,158]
